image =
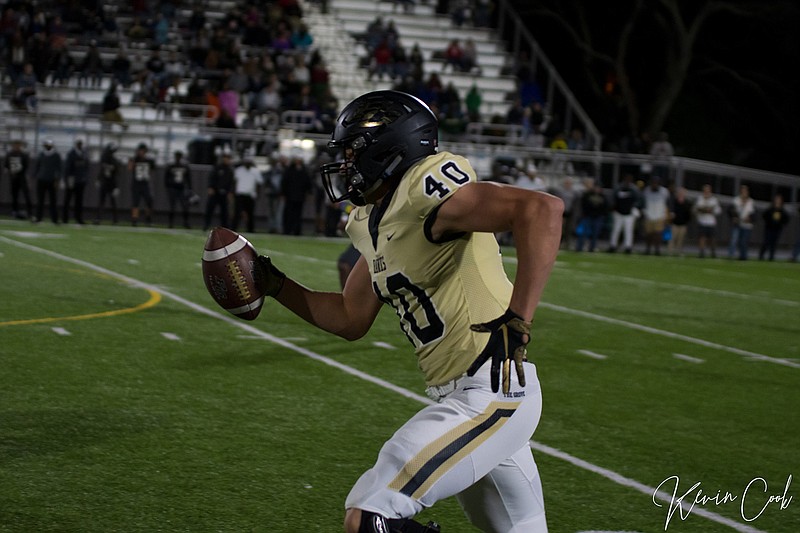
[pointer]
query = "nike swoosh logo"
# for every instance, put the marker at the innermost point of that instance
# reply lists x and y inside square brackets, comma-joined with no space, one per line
[389,237]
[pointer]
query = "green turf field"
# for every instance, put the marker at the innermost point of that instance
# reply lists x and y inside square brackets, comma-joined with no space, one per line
[129,402]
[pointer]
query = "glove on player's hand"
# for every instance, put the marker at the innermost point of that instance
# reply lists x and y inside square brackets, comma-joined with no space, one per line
[509,336]
[268,277]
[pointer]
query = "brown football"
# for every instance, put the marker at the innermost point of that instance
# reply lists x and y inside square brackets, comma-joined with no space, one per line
[230,274]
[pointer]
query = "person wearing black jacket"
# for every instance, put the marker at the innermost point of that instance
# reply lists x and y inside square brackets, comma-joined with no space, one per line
[295,186]
[16,165]
[178,182]
[594,210]
[76,172]
[775,218]
[220,191]
[48,173]
[107,184]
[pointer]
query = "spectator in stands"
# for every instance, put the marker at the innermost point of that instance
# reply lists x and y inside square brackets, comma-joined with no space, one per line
[39,55]
[220,191]
[57,33]
[197,20]
[453,56]
[515,112]
[91,67]
[138,31]
[625,210]
[25,90]
[268,99]
[381,61]
[17,56]
[16,164]
[248,181]
[473,102]
[775,218]
[111,106]
[432,89]
[256,33]
[300,38]
[680,214]
[400,65]
[319,76]
[407,5]
[48,173]
[107,182]
[655,198]
[282,39]
[417,62]
[76,172]
[459,12]
[155,63]
[121,69]
[559,142]
[224,139]
[576,140]
[742,213]
[706,211]
[374,34]
[178,182]
[228,102]
[299,69]
[296,185]
[469,58]
[594,211]
[160,29]
[142,167]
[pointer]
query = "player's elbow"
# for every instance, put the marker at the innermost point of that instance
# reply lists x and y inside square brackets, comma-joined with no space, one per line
[546,206]
[352,333]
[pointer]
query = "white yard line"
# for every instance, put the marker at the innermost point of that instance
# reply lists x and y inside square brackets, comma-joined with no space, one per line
[688,358]
[671,335]
[539,447]
[593,355]
[670,285]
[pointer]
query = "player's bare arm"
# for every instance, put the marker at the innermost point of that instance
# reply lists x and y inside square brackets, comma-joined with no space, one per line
[533,218]
[348,314]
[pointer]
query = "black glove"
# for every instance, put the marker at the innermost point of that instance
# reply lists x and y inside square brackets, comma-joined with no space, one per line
[509,336]
[267,276]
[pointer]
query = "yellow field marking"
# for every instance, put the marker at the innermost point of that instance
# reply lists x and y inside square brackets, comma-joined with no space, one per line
[154,299]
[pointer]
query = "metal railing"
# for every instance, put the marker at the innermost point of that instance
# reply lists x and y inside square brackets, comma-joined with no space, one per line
[558,97]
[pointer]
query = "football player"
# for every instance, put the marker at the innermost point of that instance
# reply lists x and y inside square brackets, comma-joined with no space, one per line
[425,228]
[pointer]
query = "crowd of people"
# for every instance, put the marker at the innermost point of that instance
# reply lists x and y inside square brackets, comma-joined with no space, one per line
[51,186]
[257,58]
[647,211]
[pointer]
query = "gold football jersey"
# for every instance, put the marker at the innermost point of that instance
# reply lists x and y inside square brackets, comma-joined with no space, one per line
[437,289]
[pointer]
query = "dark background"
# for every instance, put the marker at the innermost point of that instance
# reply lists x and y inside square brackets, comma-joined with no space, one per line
[738,103]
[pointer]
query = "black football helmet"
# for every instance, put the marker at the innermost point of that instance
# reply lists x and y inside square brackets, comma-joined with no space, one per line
[379,134]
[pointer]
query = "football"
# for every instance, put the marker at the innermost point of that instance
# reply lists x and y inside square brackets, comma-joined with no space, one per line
[230,275]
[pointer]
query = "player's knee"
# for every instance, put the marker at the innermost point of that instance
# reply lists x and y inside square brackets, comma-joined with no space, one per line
[352,521]
[358,521]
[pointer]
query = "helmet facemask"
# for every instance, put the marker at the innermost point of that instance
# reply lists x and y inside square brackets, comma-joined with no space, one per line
[379,135]
[347,178]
